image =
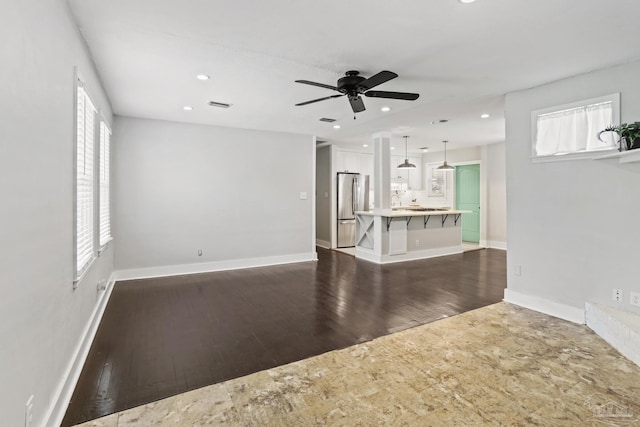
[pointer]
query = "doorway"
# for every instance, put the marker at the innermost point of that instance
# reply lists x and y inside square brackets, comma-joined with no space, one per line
[468,199]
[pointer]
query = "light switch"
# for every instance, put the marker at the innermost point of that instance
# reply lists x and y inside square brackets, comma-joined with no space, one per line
[303,195]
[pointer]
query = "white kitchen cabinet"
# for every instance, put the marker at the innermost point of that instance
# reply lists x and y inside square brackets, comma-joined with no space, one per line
[348,161]
[398,175]
[411,177]
[366,165]
[415,175]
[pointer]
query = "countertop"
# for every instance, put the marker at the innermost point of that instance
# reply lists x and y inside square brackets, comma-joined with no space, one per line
[402,213]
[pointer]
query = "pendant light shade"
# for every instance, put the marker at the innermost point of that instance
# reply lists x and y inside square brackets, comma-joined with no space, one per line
[406,164]
[445,166]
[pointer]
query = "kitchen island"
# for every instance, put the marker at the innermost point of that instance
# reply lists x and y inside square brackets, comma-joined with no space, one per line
[394,235]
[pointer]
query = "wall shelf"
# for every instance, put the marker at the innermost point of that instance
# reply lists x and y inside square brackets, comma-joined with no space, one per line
[629,156]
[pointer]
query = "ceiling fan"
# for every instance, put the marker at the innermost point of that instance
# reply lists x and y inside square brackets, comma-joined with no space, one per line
[353,85]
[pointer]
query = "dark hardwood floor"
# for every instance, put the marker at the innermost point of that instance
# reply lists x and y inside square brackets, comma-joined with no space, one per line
[160,337]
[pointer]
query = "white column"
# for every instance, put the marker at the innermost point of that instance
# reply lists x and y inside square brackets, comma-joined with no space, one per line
[381,173]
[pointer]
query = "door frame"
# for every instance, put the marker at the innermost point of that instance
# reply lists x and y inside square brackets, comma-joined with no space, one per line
[483,195]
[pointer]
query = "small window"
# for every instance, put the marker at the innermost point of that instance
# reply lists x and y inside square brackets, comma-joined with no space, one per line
[85,137]
[104,180]
[571,130]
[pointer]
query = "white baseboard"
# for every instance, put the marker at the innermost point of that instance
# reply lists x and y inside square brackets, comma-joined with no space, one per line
[206,267]
[619,328]
[552,308]
[369,255]
[323,244]
[494,244]
[63,393]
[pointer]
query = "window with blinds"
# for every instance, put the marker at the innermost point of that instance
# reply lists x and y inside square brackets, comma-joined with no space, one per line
[85,137]
[104,210]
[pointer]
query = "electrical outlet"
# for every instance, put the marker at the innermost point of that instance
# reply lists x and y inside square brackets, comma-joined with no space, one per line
[28,412]
[518,270]
[634,298]
[417,243]
[199,252]
[617,295]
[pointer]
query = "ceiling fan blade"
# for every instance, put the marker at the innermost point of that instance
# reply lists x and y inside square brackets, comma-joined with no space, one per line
[307,82]
[392,95]
[356,104]
[378,79]
[319,99]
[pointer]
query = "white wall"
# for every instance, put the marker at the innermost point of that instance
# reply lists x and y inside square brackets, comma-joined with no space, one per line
[572,224]
[497,195]
[323,187]
[41,316]
[233,193]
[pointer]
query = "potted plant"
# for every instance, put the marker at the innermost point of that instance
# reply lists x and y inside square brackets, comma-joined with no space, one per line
[629,134]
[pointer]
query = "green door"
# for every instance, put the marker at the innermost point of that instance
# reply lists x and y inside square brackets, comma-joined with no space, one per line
[468,199]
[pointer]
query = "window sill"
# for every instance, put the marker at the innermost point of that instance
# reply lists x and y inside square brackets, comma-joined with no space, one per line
[104,247]
[630,156]
[84,272]
[574,156]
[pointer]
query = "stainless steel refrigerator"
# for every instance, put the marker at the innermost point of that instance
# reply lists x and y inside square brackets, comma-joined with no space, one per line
[353,196]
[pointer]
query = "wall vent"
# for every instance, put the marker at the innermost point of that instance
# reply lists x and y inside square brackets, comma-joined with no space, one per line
[219,104]
[328,120]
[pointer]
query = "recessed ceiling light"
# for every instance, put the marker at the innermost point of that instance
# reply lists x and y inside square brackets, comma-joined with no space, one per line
[202,77]
[466,1]
[187,108]
[385,109]
[425,149]
[365,145]
[336,126]
[393,148]
[485,116]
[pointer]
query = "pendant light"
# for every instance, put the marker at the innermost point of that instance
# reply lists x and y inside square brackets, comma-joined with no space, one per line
[445,166]
[406,164]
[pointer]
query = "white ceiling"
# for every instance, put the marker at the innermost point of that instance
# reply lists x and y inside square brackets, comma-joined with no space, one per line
[460,58]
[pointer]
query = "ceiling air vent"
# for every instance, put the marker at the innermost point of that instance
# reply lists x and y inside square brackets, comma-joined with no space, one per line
[219,104]
[325,119]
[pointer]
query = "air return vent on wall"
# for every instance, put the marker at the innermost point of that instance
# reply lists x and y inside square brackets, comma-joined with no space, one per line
[325,119]
[219,104]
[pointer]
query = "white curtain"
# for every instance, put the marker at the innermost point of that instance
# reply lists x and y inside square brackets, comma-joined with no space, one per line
[573,130]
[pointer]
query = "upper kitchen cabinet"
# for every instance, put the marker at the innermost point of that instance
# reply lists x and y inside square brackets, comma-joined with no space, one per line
[415,175]
[366,165]
[411,177]
[350,161]
[398,175]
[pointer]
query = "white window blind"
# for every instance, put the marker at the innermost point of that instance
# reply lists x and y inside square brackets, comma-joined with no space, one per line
[105,214]
[85,136]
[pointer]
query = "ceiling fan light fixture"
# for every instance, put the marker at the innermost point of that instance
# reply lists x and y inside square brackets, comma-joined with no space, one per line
[445,166]
[354,86]
[406,164]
